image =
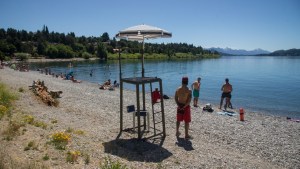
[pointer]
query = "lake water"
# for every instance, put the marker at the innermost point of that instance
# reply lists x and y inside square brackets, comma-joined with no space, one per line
[260,84]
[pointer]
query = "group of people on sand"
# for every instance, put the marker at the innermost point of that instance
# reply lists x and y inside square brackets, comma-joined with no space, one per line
[108,85]
[69,76]
[183,97]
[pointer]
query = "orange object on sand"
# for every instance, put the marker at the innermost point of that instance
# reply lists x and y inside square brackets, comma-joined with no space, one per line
[241,114]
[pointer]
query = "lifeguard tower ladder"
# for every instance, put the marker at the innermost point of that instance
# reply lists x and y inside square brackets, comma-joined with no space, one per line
[141,110]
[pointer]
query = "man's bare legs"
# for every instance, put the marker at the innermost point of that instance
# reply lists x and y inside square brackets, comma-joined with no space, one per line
[177,128]
[221,103]
[186,128]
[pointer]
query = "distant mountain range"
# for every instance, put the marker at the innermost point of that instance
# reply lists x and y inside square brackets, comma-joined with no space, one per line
[229,51]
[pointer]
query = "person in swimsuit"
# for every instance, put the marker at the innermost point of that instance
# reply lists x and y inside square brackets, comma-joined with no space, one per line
[196,91]
[227,89]
[183,97]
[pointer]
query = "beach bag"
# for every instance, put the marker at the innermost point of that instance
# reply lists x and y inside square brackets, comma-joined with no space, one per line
[208,108]
[166,97]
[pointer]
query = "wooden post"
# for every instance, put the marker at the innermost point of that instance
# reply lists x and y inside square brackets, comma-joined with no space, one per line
[138,110]
[121,106]
[162,107]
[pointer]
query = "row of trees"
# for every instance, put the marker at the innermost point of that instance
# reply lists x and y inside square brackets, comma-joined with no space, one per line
[60,45]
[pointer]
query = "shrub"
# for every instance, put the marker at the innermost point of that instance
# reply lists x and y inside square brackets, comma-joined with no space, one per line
[6,96]
[60,140]
[31,146]
[3,111]
[86,55]
[72,156]
[40,124]
[22,56]
[86,159]
[46,157]
[29,119]
[78,132]
[109,164]
[21,89]
[53,121]
[12,129]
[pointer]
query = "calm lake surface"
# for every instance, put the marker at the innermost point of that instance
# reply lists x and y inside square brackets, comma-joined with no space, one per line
[260,83]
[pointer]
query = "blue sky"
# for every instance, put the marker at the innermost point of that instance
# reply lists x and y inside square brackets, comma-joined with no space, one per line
[238,24]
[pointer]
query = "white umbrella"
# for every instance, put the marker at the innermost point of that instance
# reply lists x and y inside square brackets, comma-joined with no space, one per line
[142,32]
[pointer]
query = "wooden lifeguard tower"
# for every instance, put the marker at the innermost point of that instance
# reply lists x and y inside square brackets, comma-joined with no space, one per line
[140,33]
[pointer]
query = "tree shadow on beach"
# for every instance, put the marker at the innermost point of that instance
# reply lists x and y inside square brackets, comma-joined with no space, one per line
[137,150]
[186,144]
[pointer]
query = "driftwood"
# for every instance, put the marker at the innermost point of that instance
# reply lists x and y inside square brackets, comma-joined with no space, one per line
[49,97]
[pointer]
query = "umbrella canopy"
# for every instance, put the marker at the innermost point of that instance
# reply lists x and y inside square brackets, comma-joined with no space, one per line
[141,32]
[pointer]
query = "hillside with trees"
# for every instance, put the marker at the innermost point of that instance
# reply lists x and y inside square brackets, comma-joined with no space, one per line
[290,52]
[22,45]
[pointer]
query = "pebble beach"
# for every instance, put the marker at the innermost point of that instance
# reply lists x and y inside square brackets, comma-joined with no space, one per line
[219,141]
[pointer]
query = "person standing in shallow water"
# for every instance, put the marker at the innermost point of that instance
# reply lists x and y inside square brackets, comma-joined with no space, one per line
[227,89]
[183,97]
[196,91]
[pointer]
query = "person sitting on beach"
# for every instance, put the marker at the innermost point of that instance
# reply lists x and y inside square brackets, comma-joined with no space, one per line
[107,82]
[183,97]
[116,84]
[227,89]
[196,91]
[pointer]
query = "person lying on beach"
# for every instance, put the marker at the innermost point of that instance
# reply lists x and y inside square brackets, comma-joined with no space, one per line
[106,85]
[74,80]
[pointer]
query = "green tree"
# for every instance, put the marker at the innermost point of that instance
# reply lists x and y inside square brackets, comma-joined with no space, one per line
[101,51]
[104,37]
[65,51]
[42,48]
[90,48]
[2,33]
[52,51]
[2,56]
[26,47]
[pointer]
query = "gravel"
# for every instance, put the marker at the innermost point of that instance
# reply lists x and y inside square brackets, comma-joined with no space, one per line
[219,141]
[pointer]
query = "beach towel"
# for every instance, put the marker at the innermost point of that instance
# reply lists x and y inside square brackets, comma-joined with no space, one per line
[227,113]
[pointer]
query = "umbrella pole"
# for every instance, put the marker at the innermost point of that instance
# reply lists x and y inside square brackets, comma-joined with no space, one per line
[143,70]
[143,75]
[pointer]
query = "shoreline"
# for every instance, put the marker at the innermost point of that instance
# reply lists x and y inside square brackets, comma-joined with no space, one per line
[259,108]
[58,60]
[261,141]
